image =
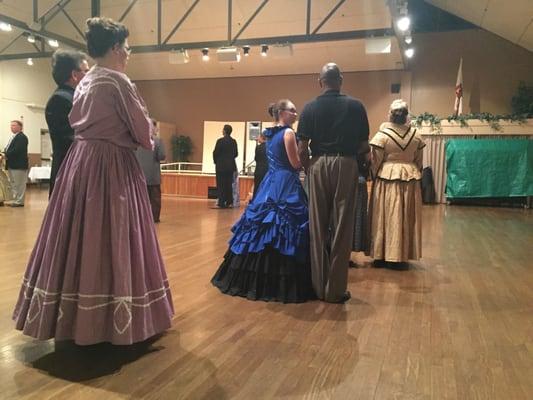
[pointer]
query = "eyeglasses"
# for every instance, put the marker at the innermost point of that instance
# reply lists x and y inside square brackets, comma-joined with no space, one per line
[291,110]
[118,47]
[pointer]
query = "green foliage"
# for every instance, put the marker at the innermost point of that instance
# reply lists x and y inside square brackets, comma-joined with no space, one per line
[522,105]
[428,118]
[492,119]
[522,101]
[462,119]
[181,148]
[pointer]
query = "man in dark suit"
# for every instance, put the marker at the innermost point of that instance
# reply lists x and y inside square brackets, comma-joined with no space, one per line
[16,153]
[224,158]
[68,68]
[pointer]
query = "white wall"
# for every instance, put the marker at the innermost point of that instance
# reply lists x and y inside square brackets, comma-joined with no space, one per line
[213,132]
[21,85]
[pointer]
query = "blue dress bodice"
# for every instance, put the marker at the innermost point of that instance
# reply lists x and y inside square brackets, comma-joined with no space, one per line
[278,215]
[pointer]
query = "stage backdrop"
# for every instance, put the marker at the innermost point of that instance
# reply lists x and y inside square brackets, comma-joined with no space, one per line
[212,132]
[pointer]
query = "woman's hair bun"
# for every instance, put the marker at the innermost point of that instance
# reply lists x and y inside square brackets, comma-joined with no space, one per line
[271,109]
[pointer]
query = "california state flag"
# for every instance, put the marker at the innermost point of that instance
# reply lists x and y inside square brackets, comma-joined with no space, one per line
[458,108]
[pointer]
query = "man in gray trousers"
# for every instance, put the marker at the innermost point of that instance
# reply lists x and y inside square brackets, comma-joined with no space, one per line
[150,162]
[335,126]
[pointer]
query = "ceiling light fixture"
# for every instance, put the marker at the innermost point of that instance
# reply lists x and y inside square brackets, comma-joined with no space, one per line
[31,39]
[246,50]
[410,52]
[205,54]
[264,50]
[30,62]
[53,42]
[403,23]
[5,27]
[409,39]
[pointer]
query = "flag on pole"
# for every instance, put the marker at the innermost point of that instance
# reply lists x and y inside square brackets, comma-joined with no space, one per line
[458,108]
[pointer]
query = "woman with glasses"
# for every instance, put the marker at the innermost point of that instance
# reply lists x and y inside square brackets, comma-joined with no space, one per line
[96,273]
[268,255]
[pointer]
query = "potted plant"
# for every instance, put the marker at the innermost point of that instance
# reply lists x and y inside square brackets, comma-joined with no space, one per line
[522,101]
[181,148]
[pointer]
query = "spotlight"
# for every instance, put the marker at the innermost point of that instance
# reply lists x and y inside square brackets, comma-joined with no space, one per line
[205,54]
[410,52]
[264,50]
[30,62]
[408,39]
[246,50]
[403,23]
[5,27]
[53,43]
[31,39]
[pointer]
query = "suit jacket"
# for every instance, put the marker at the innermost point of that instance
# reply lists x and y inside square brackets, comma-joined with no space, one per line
[261,160]
[17,152]
[225,153]
[149,161]
[61,133]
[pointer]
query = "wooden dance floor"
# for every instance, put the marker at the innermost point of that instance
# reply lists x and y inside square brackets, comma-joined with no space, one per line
[458,325]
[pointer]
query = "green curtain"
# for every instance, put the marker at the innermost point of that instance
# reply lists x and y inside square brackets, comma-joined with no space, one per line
[489,168]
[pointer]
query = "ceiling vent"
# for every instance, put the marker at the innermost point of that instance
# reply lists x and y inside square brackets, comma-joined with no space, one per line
[228,54]
[380,45]
[178,57]
[281,50]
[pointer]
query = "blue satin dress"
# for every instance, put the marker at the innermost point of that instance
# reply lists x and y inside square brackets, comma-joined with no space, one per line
[268,255]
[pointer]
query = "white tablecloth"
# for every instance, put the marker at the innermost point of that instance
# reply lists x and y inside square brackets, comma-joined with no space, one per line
[38,173]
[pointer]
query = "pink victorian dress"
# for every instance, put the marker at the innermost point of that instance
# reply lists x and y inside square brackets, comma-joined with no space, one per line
[96,273]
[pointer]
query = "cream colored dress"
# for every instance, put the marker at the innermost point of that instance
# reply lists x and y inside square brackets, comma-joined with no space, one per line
[396,202]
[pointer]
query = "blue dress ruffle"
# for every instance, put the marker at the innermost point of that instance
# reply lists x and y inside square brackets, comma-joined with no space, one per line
[278,216]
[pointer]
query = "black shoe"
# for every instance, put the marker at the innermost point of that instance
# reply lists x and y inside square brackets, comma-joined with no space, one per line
[379,264]
[398,266]
[345,297]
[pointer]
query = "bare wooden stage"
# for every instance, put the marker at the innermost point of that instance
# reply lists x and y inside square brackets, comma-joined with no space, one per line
[457,325]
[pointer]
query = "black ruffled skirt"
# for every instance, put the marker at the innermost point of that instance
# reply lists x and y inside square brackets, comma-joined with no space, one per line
[267,275]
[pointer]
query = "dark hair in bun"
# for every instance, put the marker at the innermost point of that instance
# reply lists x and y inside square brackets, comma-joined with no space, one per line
[102,34]
[271,108]
[275,108]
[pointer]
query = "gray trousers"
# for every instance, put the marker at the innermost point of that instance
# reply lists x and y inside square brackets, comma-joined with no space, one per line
[18,178]
[332,189]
